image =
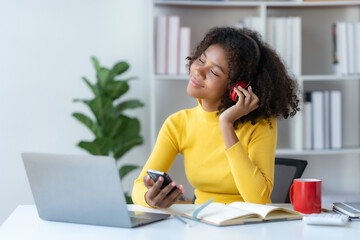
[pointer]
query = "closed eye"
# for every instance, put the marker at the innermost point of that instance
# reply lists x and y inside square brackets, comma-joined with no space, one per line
[214,73]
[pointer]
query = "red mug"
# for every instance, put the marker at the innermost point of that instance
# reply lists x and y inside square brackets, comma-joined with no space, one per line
[305,195]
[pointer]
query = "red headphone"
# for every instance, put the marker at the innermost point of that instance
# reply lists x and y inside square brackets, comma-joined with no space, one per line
[244,84]
[233,95]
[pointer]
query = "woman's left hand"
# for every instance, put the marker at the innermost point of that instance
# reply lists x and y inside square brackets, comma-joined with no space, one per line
[247,102]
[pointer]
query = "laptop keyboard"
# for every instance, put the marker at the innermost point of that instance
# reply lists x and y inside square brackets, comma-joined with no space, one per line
[141,218]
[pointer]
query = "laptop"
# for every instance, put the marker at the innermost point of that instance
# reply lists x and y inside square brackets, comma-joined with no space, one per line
[82,189]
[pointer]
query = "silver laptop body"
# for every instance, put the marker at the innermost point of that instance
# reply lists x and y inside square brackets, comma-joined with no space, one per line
[81,189]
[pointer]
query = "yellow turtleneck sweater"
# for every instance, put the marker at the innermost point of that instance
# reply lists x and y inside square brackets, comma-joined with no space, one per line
[243,172]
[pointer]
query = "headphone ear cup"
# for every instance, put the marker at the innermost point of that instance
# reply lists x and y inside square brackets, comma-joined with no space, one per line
[233,95]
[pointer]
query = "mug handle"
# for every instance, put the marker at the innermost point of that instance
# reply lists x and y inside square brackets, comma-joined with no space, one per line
[291,193]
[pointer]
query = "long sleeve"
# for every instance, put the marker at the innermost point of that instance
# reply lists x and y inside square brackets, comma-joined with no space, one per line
[161,158]
[253,168]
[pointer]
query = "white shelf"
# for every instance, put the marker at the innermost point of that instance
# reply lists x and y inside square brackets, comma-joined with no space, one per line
[167,92]
[292,152]
[302,78]
[317,17]
[256,3]
[329,77]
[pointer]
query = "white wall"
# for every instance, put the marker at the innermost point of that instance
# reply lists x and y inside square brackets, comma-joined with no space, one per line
[45,49]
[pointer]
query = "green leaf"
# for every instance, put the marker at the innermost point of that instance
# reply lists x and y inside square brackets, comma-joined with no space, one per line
[102,108]
[87,102]
[92,87]
[129,104]
[115,89]
[96,64]
[121,128]
[103,76]
[126,169]
[100,146]
[132,128]
[114,127]
[126,145]
[119,68]
[127,79]
[89,123]
[128,199]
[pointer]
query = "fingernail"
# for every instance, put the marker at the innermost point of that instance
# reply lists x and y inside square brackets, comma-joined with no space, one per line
[250,87]
[173,184]
[161,178]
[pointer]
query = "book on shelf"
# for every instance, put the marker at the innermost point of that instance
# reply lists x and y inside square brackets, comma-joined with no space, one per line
[350,42]
[280,35]
[284,36]
[357,46]
[341,46]
[307,122]
[346,48]
[322,119]
[296,45]
[235,213]
[185,36]
[351,209]
[326,119]
[317,99]
[336,138]
[161,39]
[335,58]
[270,33]
[172,45]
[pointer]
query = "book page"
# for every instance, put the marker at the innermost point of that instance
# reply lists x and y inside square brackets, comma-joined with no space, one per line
[218,213]
[266,211]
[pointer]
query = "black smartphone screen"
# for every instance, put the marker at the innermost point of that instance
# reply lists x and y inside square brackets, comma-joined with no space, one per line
[155,176]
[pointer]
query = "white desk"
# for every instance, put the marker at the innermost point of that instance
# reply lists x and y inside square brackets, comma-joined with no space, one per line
[24,223]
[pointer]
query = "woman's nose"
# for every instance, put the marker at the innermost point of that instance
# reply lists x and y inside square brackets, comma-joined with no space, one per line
[200,72]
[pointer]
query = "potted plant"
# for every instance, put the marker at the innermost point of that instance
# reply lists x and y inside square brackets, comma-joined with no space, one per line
[115,133]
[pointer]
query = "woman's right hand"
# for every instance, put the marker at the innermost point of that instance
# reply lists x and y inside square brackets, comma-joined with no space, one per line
[158,198]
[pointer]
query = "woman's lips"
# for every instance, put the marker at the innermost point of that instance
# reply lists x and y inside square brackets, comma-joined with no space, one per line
[195,83]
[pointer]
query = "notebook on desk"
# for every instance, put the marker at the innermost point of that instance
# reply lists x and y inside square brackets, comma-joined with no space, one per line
[81,189]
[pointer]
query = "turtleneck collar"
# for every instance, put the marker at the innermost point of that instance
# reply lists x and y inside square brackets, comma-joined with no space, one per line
[208,117]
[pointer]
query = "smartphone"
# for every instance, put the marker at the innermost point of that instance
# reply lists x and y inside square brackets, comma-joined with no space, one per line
[155,176]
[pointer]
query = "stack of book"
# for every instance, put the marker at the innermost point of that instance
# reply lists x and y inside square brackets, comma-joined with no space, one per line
[351,209]
[346,48]
[172,45]
[323,120]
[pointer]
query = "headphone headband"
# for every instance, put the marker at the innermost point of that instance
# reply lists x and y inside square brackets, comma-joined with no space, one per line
[257,49]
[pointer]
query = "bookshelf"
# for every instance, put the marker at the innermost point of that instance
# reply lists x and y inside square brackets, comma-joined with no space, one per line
[168,92]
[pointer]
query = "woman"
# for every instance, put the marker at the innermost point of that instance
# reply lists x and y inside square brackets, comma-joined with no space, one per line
[229,139]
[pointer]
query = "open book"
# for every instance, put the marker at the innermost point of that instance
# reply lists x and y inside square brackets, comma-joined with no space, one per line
[240,212]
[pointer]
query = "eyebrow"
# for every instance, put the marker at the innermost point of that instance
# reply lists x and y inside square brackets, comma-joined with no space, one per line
[216,65]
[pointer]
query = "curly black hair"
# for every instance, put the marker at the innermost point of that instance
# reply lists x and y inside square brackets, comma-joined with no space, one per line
[270,81]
